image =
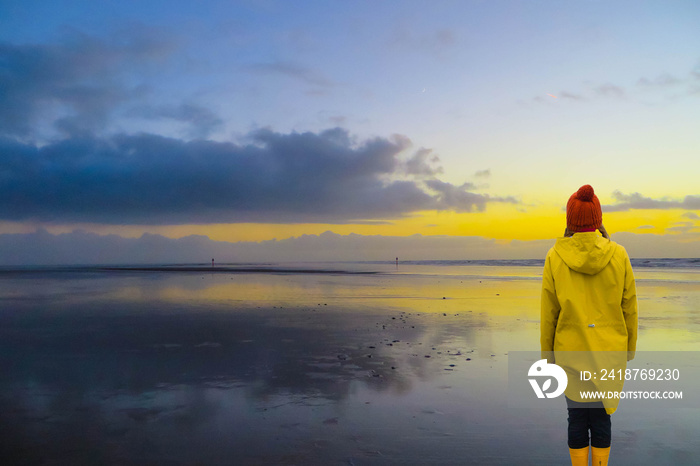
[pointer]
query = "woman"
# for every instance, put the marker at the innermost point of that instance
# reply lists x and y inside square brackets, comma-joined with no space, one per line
[589,304]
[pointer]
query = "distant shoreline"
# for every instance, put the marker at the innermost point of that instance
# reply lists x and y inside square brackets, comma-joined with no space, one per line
[218,269]
[318,267]
[178,269]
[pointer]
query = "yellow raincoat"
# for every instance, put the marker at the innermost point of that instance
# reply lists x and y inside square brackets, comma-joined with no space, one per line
[589,303]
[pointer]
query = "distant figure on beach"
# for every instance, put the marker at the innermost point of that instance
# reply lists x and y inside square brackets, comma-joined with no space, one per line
[588,307]
[212,262]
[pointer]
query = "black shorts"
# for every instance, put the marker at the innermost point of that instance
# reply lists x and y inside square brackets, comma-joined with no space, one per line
[585,417]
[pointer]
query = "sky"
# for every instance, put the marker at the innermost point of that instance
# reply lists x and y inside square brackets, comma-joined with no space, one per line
[248,121]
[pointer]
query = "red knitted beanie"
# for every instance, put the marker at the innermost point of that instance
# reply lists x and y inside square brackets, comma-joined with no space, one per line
[583,210]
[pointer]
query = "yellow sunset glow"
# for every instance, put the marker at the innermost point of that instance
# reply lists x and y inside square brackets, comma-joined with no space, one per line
[498,221]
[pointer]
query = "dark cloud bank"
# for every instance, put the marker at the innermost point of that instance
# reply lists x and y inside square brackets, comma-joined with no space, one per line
[79,247]
[150,179]
[60,160]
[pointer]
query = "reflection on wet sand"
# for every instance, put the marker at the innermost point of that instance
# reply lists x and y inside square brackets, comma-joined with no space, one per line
[199,368]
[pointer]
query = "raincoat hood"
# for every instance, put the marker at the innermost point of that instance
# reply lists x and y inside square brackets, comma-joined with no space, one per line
[585,252]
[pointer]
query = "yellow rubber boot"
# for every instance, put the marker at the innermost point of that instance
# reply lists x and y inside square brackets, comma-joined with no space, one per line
[579,456]
[600,456]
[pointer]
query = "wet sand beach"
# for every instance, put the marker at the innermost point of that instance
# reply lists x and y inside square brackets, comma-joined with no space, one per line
[349,365]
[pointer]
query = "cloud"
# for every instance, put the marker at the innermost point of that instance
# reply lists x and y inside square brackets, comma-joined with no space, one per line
[423,163]
[434,43]
[570,96]
[483,173]
[81,247]
[554,98]
[691,215]
[645,227]
[460,199]
[338,119]
[439,40]
[681,227]
[609,90]
[292,70]
[663,80]
[74,83]
[626,202]
[686,85]
[201,120]
[285,178]
[674,86]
